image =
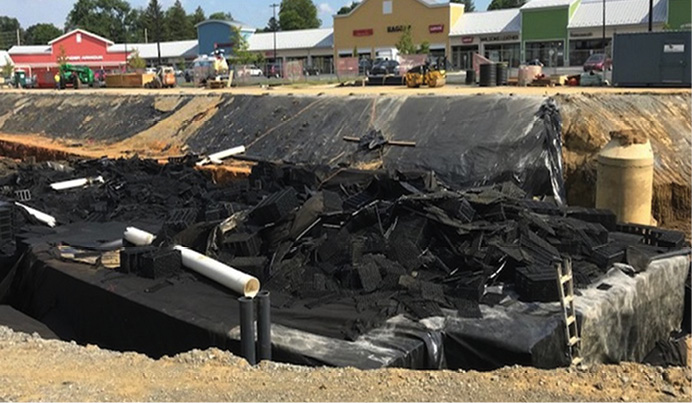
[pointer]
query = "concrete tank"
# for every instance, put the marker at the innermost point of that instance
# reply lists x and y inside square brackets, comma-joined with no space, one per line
[625,180]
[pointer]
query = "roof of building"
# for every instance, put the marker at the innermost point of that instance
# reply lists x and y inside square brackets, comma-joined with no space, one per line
[302,39]
[5,58]
[618,12]
[78,30]
[186,49]
[427,3]
[29,49]
[488,22]
[531,4]
[232,23]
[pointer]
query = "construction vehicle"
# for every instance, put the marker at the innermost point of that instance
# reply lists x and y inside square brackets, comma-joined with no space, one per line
[425,74]
[164,78]
[75,76]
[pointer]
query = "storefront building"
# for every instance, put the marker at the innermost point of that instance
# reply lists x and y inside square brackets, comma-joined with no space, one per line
[218,34]
[374,27]
[314,47]
[493,34]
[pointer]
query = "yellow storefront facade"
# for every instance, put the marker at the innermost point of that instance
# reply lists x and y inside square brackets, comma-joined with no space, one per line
[375,26]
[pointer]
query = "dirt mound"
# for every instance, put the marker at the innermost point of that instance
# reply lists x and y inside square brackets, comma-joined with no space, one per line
[664,119]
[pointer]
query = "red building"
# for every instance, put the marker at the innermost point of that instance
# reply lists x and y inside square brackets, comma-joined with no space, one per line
[79,47]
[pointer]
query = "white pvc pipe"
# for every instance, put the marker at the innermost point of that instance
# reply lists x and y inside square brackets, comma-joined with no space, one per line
[221,155]
[138,237]
[75,183]
[49,220]
[236,280]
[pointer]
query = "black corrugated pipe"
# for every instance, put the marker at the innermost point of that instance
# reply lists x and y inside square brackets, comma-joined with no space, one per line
[247,329]
[264,323]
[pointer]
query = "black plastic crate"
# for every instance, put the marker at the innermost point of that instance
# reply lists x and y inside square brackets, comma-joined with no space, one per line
[22,195]
[275,206]
[607,255]
[243,243]
[130,258]
[653,235]
[160,263]
[180,219]
[253,265]
[606,218]
[537,283]
[541,207]
[358,200]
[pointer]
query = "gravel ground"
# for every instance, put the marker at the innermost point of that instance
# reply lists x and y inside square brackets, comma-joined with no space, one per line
[33,369]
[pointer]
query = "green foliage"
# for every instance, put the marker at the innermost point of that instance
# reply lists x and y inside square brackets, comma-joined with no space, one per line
[136,62]
[298,14]
[355,51]
[107,18]
[197,17]
[273,25]
[7,69]
[424,48]
[405,44]
[502,4]
[220,15]
[347,9]
[153,21]
[9,27]
[241,54]
[178,25]
[41,34]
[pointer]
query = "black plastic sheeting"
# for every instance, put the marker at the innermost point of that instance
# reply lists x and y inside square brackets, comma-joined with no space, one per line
[20,322]
[466,141]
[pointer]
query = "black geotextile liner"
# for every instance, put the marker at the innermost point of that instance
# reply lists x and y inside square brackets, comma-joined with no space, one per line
[107,119]
[467,140]
[20,322]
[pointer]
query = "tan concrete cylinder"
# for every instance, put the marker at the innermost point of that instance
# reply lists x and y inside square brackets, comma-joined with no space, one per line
[625,181]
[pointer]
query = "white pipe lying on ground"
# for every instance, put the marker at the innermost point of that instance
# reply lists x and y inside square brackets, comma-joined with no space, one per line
[236,280]
[49,220]
[217,158]
[138,237]
[75,183]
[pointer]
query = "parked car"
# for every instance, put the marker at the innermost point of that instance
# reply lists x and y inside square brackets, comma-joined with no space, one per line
[385,67]
[534,62]
[311,71]
[255,71]
[598,62]
[364,66]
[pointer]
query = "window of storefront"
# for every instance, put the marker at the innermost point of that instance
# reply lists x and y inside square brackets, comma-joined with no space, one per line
[579,51]
[323,64]
[462,56]
[504,52]
[551,54]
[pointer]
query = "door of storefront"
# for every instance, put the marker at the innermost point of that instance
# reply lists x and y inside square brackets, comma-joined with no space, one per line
[462,56]
[550,53]
[503,52]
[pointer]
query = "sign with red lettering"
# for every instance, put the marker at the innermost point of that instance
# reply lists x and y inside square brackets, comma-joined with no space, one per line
[467,39]
[362,32]
[436,29]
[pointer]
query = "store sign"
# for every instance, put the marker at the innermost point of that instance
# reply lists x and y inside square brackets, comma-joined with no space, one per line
[436,28]
[84,58]
[674,48]
[466,39]
[397,28]
[498,38]
[363,32]
[581,34]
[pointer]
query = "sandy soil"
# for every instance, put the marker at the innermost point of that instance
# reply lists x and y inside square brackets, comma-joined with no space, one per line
[32,369]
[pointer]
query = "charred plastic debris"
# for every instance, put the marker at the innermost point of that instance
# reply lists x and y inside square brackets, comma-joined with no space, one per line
[384,243]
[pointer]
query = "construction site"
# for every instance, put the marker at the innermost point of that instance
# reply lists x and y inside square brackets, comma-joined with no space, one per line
[336,243]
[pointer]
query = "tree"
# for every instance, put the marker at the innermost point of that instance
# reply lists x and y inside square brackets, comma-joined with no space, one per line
[405,44]
[153,20]
[62,56]
[8,32]
[178,24]
[220,15]
[272,25]
[469,6]
[347,9]
[298,14]
[241,54]
[40,34]
[107,18]
[502,4]
[197,17]
[424,48]
[7,69]
[136,62]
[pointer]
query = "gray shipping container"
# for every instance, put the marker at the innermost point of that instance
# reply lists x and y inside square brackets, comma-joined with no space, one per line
[654,59]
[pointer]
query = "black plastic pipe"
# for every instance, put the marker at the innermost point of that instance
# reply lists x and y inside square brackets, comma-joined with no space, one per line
[264,323]
[247,329]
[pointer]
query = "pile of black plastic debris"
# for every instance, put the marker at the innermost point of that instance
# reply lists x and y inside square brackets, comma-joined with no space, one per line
[384,243]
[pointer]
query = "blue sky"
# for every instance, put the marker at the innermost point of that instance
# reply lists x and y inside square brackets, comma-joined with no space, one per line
[253,12]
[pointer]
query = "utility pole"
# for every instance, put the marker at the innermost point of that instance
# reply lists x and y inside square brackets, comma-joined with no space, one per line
[651,15]
[604,27]
[146,36]
[19,41]
[158,35]
[274,6]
